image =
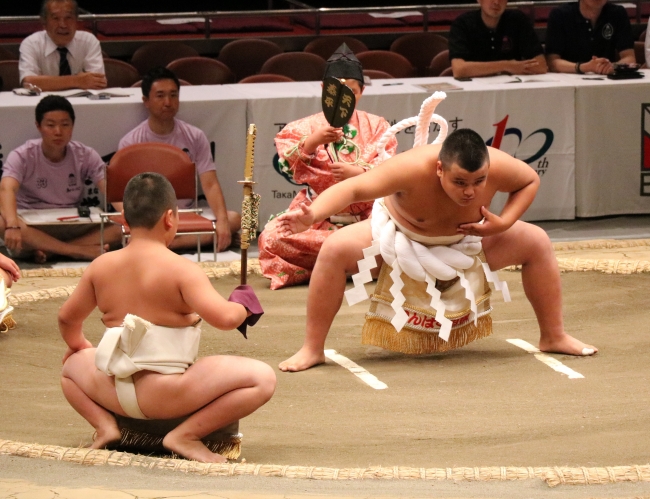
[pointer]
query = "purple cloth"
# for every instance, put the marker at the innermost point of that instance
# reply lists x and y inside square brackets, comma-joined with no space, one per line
[244,295]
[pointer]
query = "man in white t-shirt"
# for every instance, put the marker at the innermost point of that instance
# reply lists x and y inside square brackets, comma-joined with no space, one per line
[50,172]
[160,91]
[61,57]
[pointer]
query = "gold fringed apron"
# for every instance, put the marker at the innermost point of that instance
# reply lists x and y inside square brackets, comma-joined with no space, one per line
[433,293]
[420,334]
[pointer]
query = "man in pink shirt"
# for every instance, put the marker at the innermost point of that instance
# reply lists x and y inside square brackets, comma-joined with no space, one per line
[160,94]
[50,173]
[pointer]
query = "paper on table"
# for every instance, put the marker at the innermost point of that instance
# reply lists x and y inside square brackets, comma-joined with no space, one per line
[497,80]
[87,93]
[26,91]
[443,86]
[49,216]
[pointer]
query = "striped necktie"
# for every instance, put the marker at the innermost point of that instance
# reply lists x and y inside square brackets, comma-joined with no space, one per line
[64,66]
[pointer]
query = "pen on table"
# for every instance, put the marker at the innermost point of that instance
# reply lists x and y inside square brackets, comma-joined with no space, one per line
[391,84]
[61,219]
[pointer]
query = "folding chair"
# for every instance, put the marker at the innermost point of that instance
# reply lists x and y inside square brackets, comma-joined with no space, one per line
[175,165]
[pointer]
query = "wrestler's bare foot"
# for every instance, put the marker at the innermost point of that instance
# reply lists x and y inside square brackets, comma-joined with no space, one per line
[303,359]
[106,435]
[568,345]
[191,449]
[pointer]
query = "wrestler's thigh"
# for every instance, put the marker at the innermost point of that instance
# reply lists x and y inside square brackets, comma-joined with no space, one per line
[516,246]
[206,380]
[98,386]
[345,247]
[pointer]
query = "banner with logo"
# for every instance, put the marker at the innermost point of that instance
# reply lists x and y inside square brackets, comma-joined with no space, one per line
[518,121]
[613,149]
[535,125]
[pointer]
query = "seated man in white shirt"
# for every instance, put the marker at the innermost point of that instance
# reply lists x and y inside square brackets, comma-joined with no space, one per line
[60,57]
[160,94]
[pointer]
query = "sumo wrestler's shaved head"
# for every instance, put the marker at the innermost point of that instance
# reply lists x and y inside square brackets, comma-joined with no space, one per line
[146,198]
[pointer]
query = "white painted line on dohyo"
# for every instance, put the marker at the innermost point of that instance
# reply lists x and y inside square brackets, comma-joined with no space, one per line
[551,362]
[356,369]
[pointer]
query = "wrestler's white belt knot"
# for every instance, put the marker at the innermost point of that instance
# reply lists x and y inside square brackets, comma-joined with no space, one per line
[421,263]
[139,345]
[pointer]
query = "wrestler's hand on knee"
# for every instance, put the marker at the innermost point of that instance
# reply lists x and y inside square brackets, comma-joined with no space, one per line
[295,221]
[492,224]
[70,351]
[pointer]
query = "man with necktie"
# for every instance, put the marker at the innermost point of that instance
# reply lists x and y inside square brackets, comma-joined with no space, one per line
[60,57]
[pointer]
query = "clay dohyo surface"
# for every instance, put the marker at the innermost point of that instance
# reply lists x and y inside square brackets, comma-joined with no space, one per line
[487,404]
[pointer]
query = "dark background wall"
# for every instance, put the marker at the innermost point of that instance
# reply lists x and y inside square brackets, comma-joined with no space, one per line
[31,7]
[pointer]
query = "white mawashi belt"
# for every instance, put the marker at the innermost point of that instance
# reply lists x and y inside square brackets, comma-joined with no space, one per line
[421,263]
[138,345]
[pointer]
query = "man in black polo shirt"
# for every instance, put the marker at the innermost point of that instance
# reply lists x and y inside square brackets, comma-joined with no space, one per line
[494,40]
[587,36]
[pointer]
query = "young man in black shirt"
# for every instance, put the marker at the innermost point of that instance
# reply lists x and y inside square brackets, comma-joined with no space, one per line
[494,40]
[587,36]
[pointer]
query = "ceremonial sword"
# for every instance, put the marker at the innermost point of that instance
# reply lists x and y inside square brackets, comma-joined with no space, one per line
[250,204]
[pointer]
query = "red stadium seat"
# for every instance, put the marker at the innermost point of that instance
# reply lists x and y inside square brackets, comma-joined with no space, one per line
[299,66]
[9,75]
[389,62]
[325,46]
[419,49]
[201,71]
[265,78]
[119,73]
[375,74]
[155,54]
[246,56]
[7,55]
[439,63]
